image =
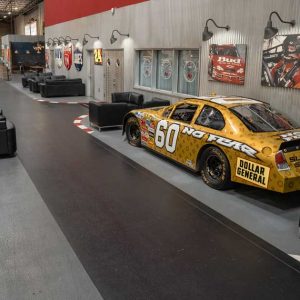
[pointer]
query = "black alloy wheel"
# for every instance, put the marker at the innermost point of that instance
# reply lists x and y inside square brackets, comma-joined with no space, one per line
[215,168]
[133,132]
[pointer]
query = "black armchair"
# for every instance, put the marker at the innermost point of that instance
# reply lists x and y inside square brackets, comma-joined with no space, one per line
[103,114]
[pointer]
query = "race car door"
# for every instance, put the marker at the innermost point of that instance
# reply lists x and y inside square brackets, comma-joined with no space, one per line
[169,139]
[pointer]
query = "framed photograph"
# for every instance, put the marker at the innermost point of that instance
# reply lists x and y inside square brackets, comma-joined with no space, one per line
[227,63]
[281,62]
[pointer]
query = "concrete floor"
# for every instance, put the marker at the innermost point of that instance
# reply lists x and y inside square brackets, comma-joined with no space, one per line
[273,217]
[37,262]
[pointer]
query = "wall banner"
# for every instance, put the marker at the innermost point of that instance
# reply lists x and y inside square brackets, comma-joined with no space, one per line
[68,55]
[58,57]
[78,56]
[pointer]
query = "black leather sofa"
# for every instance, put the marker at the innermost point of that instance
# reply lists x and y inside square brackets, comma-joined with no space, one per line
[107,114]
[156,102]
[103,114]
[60,88]
[8,142]
[34,83]
[26,77]
[133,100]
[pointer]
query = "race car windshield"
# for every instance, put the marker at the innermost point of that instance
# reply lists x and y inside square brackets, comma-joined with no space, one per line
[261,118]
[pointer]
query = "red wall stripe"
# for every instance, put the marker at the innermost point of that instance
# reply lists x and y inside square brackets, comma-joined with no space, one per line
[59,11]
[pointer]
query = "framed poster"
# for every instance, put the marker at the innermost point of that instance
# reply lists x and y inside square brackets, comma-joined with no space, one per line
[68,55]
[281,61]
[227,63]
[98,57]
[78,56]
[58,57]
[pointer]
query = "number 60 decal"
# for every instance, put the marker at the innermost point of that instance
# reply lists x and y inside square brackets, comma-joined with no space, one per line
[164,139]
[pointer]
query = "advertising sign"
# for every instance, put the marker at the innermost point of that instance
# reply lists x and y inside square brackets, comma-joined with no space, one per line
[98,57]
[227,63]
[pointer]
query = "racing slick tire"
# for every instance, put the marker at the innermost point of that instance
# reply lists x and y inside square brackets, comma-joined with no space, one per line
[133,132]
[215,169]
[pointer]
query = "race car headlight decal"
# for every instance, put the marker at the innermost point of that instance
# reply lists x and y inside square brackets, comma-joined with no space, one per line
[281,162]
[240,70]
[220,68]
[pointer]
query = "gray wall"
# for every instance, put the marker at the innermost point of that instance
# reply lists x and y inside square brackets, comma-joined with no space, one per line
[179,24]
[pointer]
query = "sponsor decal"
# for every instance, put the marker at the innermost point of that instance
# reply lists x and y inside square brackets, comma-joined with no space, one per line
[139,114]
[291,136]
[68,52]
[190,71]
[220,140]
[78,57]
[294,158]
[252,172]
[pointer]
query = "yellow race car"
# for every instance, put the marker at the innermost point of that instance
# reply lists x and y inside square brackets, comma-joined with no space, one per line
[226,139]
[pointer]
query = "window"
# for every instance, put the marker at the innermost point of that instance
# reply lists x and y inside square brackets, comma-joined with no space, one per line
[145,68]
[184,112]
[164,70]
[31,28]
[211,117]
[261,118]
[188,61]
[167,111]
[170,70]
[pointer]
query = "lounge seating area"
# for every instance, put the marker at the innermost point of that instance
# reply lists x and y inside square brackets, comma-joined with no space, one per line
[50,85]
[102,114]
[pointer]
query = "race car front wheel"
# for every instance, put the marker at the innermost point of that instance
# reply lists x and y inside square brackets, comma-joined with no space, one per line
[215,168]
[133,132]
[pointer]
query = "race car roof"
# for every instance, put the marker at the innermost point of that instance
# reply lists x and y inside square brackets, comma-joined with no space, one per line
[228,101]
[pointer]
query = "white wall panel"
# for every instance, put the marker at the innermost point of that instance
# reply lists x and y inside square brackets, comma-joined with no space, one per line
[179,23]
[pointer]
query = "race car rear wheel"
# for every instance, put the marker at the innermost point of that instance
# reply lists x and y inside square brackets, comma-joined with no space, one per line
[133,132]
[215,168]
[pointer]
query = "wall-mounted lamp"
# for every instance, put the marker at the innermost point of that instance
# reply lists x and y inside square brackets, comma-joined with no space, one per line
[55,41]
[206,35]
[49,44]
[85,41]
[68,40]
[113,39]
[270,31]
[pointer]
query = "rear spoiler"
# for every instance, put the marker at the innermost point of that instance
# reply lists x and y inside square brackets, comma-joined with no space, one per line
[290,146]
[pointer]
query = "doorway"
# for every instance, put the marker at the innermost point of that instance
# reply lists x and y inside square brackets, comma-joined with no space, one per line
[113,72]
